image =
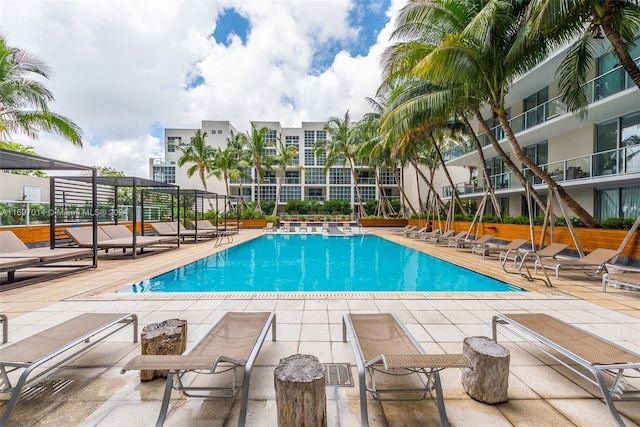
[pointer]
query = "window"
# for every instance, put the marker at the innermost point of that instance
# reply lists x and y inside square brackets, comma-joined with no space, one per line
[292,177]
[315,176]
[539,153]
[267,192]
[534,111]
[387,178]
[340,193]
[315,194]
[309,139]
[621,202]
[339,176]
[165,174]
[290,193]
[172,142]
[611,138]
[368,193]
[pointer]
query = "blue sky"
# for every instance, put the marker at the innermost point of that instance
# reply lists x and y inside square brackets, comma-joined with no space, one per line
[124,71]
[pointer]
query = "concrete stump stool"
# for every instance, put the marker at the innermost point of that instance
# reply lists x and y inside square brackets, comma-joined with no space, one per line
[301,399]
[488,379]
[167,337]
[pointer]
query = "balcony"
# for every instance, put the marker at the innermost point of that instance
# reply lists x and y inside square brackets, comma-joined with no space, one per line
[618,162]
[601,87]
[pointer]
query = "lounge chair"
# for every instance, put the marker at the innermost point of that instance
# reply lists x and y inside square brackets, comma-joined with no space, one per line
[488,249]
[14,254]
[594,260]
[448,239]
[303,227]
[466,243]
[381,343]
[625,278]
[440,237]
[83,237]
[402,230]
[232,343]
[346,227]
[325,227]
[410,230]
[577,347]
[269,228]
[417,234]
[49,349]
[122,232]
[287,228]
[549,252]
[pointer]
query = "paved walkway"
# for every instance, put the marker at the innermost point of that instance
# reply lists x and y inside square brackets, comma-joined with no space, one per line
[541,393]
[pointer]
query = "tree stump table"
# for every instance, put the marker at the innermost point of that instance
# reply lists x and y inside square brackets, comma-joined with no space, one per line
[167,337]
[487,380]
[301,398]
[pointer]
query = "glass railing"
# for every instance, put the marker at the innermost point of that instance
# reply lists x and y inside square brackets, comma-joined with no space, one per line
[605,85]
[620,161]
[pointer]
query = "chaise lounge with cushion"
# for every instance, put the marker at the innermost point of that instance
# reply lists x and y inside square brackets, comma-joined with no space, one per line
[594,261]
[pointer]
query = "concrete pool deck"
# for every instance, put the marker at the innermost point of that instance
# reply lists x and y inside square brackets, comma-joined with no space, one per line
[541,392]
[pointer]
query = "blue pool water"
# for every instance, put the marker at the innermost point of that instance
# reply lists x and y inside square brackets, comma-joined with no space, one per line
[311,263]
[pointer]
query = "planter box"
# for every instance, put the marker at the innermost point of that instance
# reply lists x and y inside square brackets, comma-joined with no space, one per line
[249,223]
[383,222]
[589,238]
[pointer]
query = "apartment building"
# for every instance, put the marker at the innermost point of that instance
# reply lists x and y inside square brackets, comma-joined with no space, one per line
[309,182]
[596,159]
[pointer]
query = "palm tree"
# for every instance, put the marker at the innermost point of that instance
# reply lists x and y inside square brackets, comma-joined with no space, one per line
[285,155]
[492,50]
[559,21]
[236,141]
[255,143]
[201,155]
[226,166]
[24,101]
[342,147]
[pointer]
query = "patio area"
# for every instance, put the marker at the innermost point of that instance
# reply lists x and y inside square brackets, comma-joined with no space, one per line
[541,391]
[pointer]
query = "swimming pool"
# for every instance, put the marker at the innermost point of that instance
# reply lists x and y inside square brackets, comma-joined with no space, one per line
[316,263]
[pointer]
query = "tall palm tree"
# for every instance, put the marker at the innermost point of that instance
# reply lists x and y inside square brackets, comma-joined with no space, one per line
[586,21]
[235,142]
[255,143]
[285,155]
[226,166]
[494,48]
[201,155]
[342,147]
[24,100]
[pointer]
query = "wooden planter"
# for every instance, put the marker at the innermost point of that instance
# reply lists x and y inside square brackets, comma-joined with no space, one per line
[382,222]
[589,238]
[250,223]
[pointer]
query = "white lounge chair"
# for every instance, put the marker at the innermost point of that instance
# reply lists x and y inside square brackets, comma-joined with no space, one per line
[594,261]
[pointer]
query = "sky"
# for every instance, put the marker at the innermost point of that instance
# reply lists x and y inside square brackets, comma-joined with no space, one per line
[124,70]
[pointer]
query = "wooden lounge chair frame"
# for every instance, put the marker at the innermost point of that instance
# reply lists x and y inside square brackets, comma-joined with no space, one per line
[67,340]
[398,351]
[596,355]
[625,278]
[595,260]
[218,351]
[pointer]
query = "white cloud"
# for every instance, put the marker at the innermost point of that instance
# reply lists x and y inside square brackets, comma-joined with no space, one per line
[119,68]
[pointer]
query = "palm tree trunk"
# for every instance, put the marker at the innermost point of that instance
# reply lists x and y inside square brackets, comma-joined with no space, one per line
[405,199]
[514,169]
[226,184]
[454,192]
[418,190]
[361,211]
[275,208]
[429,183]
[258,186]
[204,185]
[584,216]
[626,61]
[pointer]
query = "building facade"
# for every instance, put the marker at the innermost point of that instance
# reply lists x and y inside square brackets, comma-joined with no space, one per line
[596,159]
[305,178]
